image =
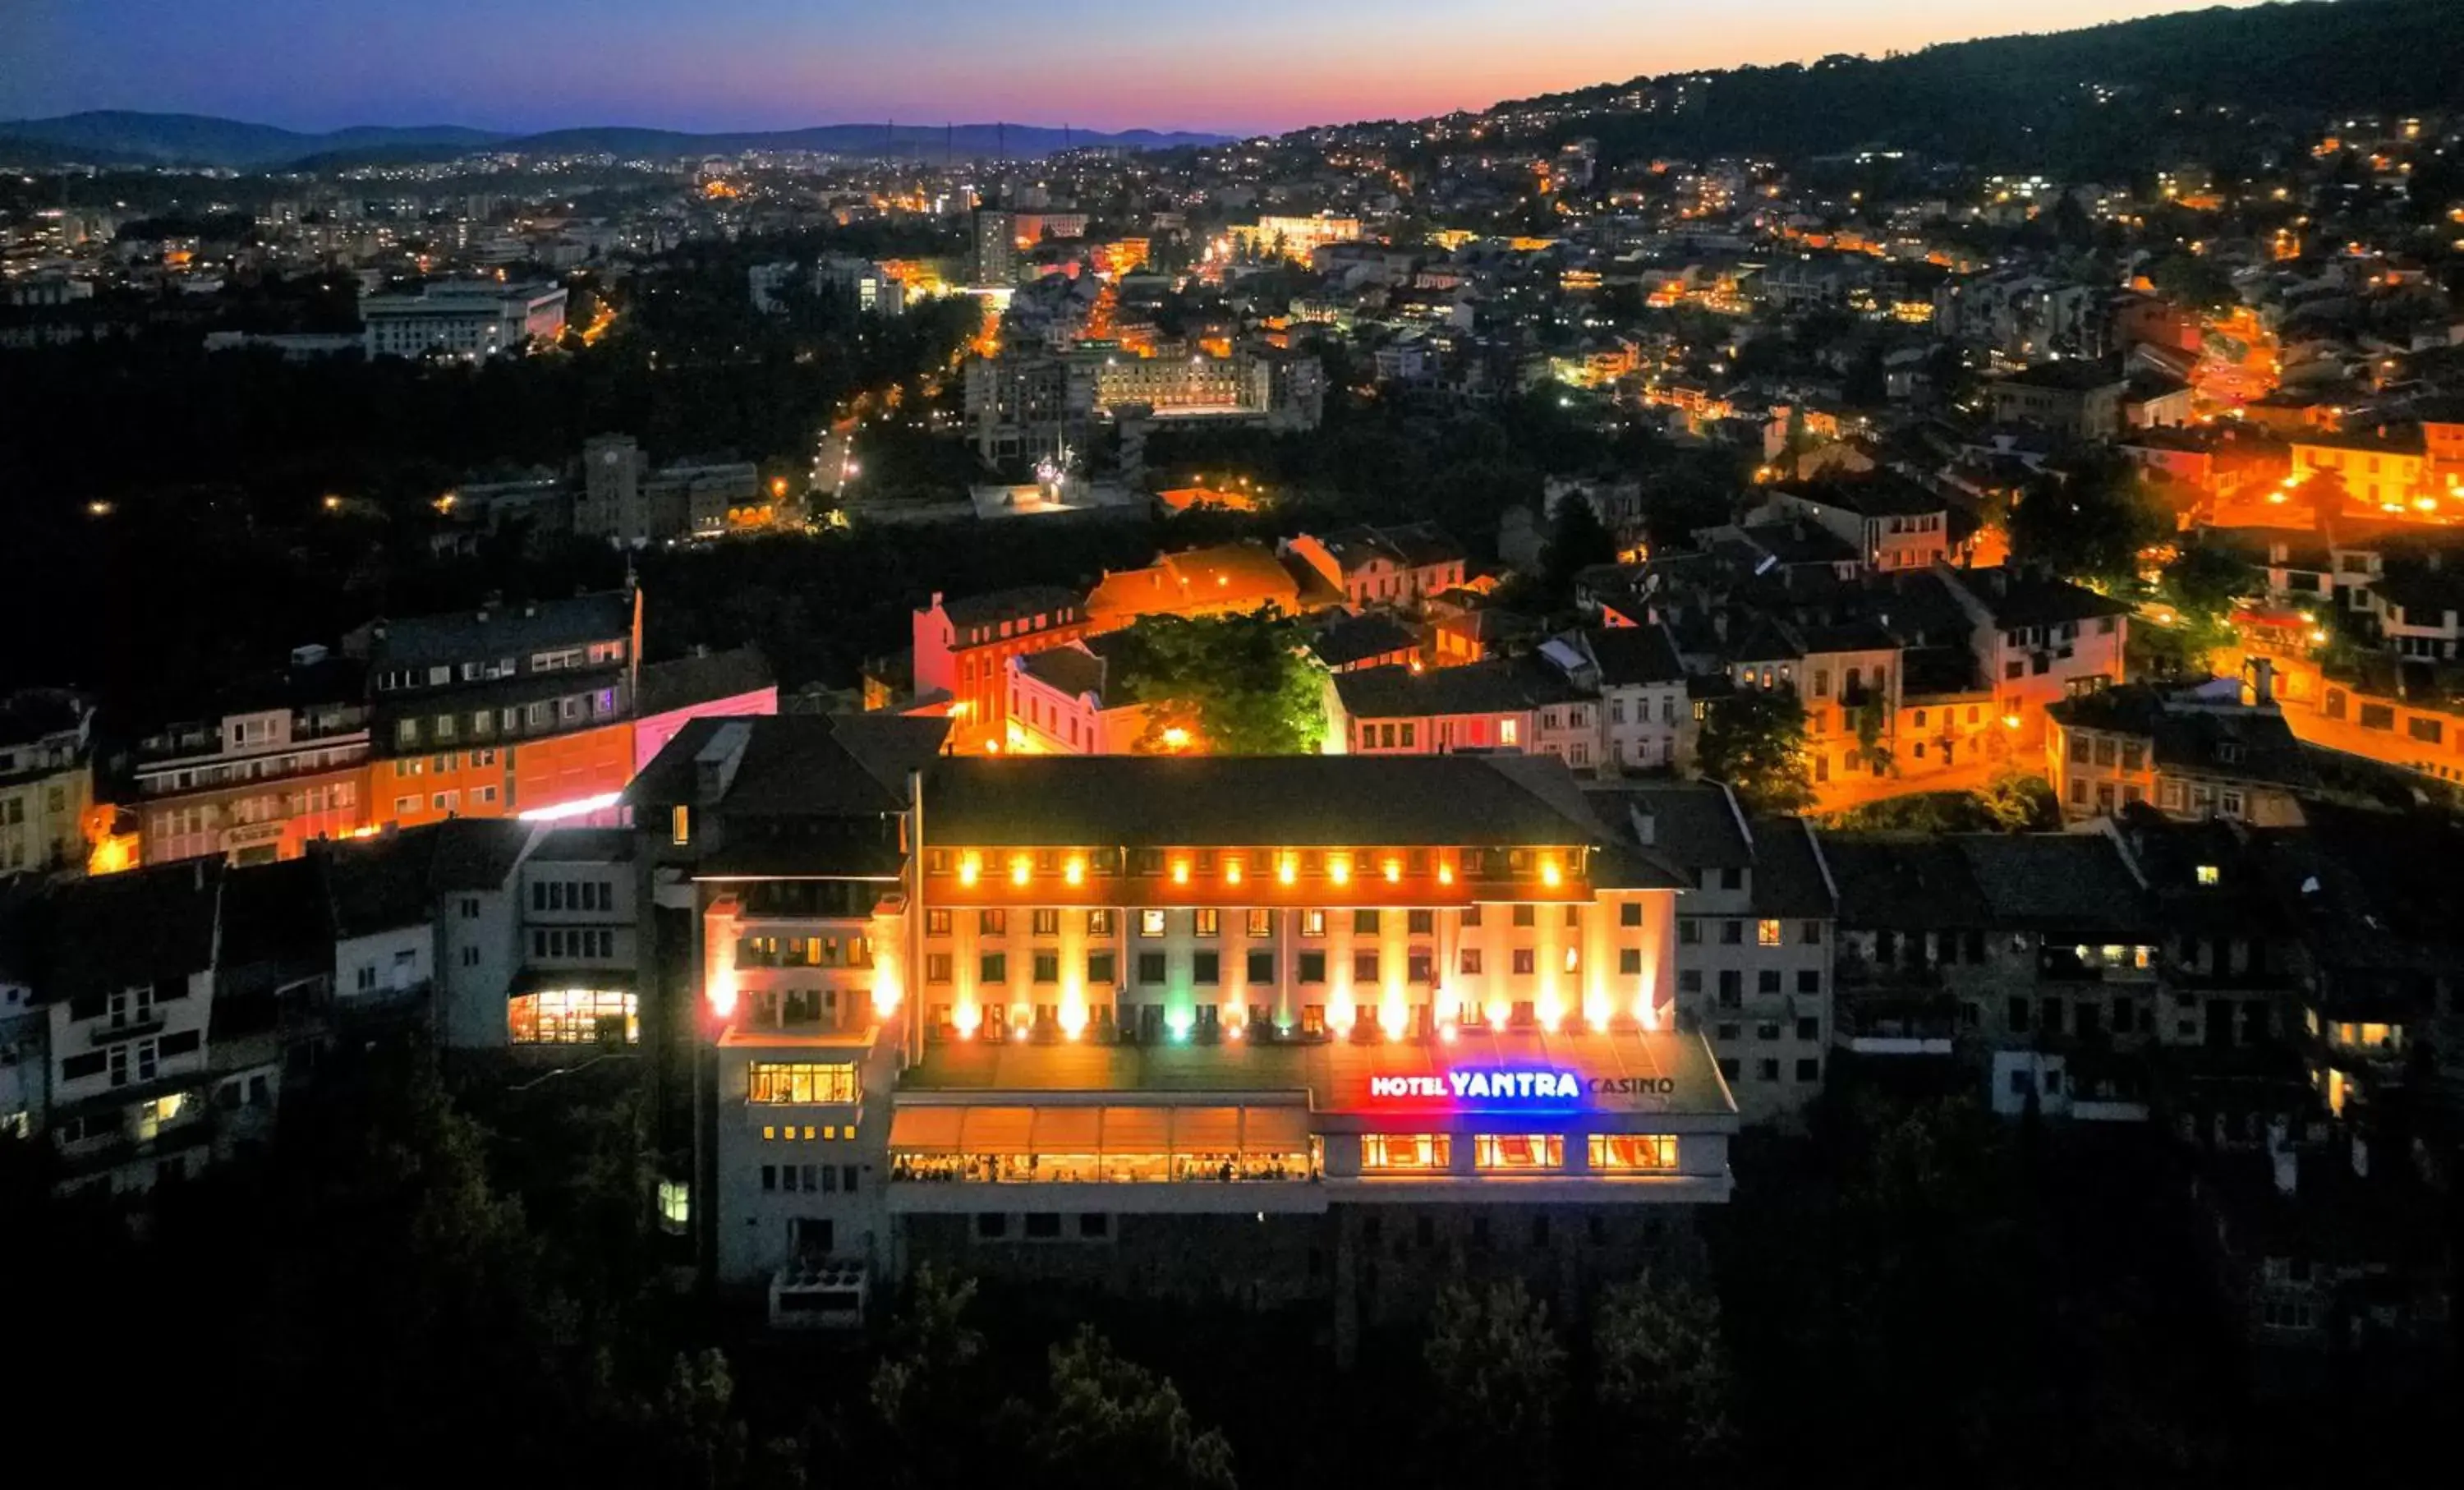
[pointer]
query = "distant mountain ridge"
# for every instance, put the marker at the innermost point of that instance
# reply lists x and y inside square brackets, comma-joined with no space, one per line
[2100,97]
[120,137]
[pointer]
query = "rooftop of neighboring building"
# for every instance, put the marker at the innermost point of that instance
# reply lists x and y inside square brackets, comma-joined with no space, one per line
[1238,575]
[704,677]
[1355,639]
[113,931]
[1019,603]
[30,714]
[2056,884]
[801,765]
[1502,685]
[2017,598]
[2194,736]
[1413,545]
[1074,670]
[507,630]
[1633,656]
[2071,374]
[1878,493]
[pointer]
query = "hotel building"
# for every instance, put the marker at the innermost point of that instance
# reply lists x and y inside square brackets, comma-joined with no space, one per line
[1209,1025]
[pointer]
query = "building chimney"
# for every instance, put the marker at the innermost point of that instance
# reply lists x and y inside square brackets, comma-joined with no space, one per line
[2361,1157]
[2261,692]
[2288,1172]
[1646,825]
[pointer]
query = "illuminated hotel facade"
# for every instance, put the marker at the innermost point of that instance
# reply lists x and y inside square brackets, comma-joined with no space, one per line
[1199,1019]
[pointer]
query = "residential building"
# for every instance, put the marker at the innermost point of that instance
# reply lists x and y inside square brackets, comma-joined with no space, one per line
[523,708]
[1754,935]
[2039,640]
[1890,523]
[1513,704]
[1402,565]
[1641,684]
[2080,400]
[274,766]
[963,650]
[2035,958]
[2188,755]
[46,780]
[1064,700]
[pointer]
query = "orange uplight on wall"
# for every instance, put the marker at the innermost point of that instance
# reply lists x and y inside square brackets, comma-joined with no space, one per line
[1075,871]
[1394,870]
[1338,869]
[1288,871]
[1181,871]
[1020,868]
[969,867]
[1445,874]
[967,1017]
[1549,874]
[1231,871]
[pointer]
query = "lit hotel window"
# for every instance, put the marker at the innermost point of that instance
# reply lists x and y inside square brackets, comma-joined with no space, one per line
[1614,1153]
[1404,1152]
[680,826]
[1767,933]
[800,1084]
[1512,1151]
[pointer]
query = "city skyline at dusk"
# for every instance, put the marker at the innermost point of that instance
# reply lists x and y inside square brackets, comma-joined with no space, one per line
[763,64]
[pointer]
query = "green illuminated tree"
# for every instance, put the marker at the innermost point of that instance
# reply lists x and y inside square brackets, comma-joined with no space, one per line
[1755,742]
[1239,685]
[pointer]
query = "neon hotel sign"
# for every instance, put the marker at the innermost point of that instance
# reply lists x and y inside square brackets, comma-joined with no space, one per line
[1519,1087]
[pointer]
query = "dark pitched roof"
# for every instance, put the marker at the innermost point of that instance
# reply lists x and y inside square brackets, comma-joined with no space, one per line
[820,765]
[506,630]
[1692,823]
[1413,544]
[1031,599]
[2066,377]
[1876,494]
[1073,670]
[704,679]
[2058,883]
[276,914]
[1135,800]
[117,931]
[30,715]
[1904,881]
[585,846]
[380,884]
[2018,598]
[1499,685]
[1789,878]
[2193,735]
[1631,656]
[1359,638]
